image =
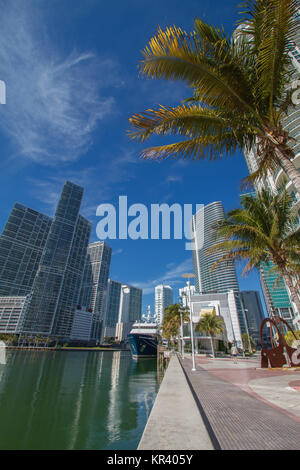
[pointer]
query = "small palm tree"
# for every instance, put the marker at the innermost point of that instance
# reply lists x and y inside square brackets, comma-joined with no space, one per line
[248,342]
[172,320]
[239,89]
[263,231]
[212,325]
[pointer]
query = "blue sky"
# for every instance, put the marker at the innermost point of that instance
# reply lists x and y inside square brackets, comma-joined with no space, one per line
[70,69]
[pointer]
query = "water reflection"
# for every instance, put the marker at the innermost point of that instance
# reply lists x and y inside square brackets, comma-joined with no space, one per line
[74,400]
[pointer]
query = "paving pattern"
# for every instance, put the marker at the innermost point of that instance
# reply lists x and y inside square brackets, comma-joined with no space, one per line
[247,408]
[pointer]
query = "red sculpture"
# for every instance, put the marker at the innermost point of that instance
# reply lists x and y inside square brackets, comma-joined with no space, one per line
[279,354]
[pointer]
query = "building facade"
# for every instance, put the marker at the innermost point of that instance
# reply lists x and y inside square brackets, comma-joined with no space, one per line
[21,246]
[226,305]
[111,310]
[95,283]
[123,308]
[163,298]
[130,310]
[56,287]
[12,311]
[82,325]
[254,313]
[223,277]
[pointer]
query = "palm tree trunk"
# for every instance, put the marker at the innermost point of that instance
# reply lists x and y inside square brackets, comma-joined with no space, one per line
[212,347]
[289,168]
[293,291]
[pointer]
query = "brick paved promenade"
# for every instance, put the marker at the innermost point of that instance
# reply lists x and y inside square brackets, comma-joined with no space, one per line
[245,407]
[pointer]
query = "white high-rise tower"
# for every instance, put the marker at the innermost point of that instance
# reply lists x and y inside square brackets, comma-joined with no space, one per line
[163,298]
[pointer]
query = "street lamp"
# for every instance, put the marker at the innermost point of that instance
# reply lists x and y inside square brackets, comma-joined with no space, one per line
[190,276]
[181,311]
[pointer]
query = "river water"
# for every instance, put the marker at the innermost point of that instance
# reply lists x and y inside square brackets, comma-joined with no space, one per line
[75,400]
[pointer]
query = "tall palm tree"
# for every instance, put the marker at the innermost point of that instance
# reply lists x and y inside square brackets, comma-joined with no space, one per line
[212,325]
[263,231]
[240,89]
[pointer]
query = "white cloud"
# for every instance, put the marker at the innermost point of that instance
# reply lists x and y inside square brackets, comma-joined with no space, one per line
[117,252]
[172,277]
[54,100]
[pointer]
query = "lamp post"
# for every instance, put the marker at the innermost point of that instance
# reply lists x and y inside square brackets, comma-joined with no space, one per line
[248,334]
[190,276]
[181,330]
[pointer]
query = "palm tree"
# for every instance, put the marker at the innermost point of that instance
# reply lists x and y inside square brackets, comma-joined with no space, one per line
[211,325]
[248,342]
[263,231]
[239,84]
[172,320]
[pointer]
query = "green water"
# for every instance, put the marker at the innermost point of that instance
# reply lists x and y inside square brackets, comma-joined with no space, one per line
[74,400]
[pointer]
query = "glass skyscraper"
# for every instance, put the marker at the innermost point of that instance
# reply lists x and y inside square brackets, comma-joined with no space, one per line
[94,285]
[21,247]
[223,277]
[123,306]
[112,305]
[56,287]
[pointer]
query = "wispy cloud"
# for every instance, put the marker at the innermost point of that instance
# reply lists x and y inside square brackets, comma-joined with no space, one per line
[54,100]
[172,277]
[99,182]
[173,179]
[117,252]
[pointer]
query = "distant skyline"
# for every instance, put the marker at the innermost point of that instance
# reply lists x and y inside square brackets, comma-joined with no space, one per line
[71,87]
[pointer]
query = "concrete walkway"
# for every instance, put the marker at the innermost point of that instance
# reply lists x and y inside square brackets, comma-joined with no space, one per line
[247,409]
[175,422]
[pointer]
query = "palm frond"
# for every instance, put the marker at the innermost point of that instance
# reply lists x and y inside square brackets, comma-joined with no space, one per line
[175,55]
[191,121]
[194,149]
[270,28]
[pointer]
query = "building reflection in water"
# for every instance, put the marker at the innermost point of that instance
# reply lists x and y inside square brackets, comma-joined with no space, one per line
[74,400]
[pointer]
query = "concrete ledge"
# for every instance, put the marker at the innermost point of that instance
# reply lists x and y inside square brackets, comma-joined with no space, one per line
[175,422]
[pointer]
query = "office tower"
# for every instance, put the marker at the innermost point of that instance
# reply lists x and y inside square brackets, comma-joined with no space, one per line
[56,287]
[123,308]
[94,285]
[163,298]
[130,310]
[111,309]
[223,277]
[253,311]
[21,246]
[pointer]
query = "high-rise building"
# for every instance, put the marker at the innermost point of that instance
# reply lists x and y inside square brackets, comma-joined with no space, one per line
[123,308]
[130,310]
[94,286]
[56,287]
[21,247]
[276,297]
[253,311]
[223,277]
[163,298]
[112,309]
